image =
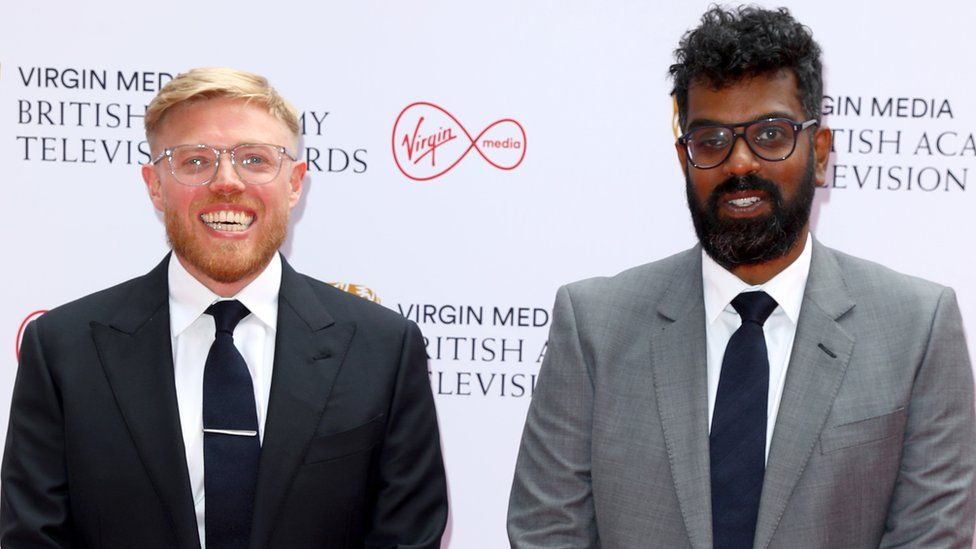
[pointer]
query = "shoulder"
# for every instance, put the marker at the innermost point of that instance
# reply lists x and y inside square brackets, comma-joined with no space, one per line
[634,293]
[868,281]
[347,307]
[642,281]
[66,331]
[105,305]
[885,306]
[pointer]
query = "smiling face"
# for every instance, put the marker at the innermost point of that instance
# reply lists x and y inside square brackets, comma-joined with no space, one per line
[748,211]
[224,233]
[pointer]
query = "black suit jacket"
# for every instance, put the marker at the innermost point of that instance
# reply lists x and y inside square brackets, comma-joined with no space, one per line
[95,456]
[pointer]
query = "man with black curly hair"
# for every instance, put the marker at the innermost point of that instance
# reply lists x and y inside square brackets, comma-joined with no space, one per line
[761,389]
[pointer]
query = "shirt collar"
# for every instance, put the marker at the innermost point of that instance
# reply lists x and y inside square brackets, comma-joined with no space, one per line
[721,286]
[189,298]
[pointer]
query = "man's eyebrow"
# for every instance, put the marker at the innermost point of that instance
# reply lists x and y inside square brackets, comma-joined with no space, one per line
[701,122]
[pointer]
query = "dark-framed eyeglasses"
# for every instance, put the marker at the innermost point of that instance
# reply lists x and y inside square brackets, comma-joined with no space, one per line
[771,139]
[197,165]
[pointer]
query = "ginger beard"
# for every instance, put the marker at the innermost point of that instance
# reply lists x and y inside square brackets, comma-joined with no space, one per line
[228,260]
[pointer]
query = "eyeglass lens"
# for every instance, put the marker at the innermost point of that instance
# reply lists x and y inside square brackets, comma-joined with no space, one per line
[254,164]
[768,139]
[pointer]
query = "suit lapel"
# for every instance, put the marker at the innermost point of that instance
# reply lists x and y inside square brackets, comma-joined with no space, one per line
[812,382]
[136,353]
[679,365]
[309,350]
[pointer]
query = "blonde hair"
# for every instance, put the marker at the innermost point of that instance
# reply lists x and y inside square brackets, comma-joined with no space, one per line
[214,83]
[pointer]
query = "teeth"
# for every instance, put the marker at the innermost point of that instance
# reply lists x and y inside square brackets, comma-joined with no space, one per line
[743,202]
[227,220]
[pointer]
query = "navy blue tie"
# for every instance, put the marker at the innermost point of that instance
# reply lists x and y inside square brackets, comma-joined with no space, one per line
[231,447]
[737,441]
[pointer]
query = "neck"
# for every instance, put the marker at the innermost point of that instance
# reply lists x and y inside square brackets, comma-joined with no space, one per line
[223,289]
[760,273]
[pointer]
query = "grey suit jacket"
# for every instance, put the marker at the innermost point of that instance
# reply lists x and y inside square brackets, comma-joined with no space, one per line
[874,443]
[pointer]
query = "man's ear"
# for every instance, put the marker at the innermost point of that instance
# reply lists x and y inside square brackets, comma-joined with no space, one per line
[821,150]
[295,180]
[153,186]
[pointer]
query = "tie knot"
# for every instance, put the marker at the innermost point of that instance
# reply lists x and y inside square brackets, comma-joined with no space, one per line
[227,314]
[754,306]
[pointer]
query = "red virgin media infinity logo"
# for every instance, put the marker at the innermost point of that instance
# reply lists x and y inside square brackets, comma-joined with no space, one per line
[20,331]
[428,142]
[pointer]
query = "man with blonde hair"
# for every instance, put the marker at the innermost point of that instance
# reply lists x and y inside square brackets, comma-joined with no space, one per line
[222,400]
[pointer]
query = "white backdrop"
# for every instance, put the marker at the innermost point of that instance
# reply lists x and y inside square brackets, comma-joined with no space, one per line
[474,254]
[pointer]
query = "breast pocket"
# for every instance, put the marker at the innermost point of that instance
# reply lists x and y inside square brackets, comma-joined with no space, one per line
[862,431]
[347,442]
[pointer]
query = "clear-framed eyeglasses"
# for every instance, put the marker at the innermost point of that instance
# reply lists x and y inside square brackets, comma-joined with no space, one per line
[197,165]
[771,139]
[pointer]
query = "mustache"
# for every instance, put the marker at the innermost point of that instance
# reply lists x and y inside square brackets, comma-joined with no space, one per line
[751,182]
[232,199]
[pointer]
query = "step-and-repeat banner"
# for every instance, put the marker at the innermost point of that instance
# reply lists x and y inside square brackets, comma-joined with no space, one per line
[465,159]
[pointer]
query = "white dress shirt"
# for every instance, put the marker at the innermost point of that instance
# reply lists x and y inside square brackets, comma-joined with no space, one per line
[193,334]
[721,321]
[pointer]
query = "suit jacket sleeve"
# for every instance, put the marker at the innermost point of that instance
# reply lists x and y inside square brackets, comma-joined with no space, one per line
[551,504]
[411,507]
[34,509]
[934,503]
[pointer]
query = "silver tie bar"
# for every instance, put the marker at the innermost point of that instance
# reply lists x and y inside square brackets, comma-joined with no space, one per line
[234,432]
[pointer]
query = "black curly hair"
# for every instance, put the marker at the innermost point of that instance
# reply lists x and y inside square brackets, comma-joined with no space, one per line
[732,44]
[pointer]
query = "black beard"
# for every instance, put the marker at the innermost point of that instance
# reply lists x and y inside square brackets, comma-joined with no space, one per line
[732,242]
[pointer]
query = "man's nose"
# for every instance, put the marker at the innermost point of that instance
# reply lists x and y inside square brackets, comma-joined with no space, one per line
[741,161]
[226,180]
